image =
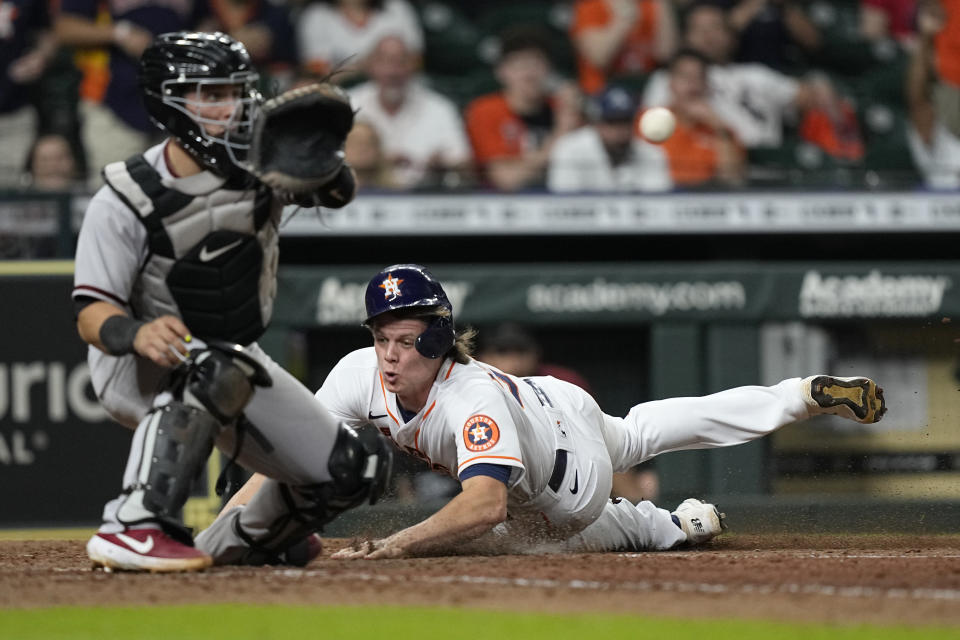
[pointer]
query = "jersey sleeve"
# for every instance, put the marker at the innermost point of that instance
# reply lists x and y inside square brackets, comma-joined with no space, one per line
[485,432]
[485,127]
[564,170]
[456,148]
[345,391]
[110,249]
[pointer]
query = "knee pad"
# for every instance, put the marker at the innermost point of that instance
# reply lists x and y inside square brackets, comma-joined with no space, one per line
[360,466]
[221,379]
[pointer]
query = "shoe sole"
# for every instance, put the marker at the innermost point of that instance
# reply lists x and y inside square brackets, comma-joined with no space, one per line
[861,395]
[113,558]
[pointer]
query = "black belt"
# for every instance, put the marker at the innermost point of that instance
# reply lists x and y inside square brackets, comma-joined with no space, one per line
[559,469]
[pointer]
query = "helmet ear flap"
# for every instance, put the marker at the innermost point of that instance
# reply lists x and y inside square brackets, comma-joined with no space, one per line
[438,338]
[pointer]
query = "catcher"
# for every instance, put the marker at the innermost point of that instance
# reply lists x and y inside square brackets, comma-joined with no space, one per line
[175,281]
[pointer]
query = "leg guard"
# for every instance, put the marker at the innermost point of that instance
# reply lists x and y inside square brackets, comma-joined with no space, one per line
[209,392]
[360,466]
[177,443]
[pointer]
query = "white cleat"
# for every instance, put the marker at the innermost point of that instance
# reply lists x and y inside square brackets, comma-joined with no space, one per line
[700,520]
[858,398]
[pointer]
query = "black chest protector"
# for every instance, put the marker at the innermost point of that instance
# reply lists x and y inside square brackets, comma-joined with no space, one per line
[215,284]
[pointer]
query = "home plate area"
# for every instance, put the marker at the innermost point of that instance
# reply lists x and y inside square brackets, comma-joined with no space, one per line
[849,579]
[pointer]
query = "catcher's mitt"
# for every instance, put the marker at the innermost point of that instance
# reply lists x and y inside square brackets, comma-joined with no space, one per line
[297,142]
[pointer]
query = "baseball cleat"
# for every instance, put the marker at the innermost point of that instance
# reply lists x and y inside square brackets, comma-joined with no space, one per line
[700,520]
[144,550]
[857,398]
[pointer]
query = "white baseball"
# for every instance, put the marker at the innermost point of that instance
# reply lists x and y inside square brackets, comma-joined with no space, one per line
[657,124]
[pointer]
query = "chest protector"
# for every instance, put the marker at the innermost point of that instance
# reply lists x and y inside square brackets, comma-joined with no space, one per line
[212,258]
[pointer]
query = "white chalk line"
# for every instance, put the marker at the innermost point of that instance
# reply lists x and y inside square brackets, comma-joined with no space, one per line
[667,586]
[827,556]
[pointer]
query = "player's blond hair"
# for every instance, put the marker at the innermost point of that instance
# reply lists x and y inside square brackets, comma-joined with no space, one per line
[464,342]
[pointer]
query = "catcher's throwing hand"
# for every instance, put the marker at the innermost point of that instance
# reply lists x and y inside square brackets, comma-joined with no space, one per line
[160,340]
[297,144]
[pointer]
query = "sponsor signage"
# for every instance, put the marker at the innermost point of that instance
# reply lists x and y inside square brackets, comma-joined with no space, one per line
[60,457]
[618,293]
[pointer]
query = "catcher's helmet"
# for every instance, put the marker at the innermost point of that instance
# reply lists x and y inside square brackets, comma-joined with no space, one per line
[406,286]
[184,61]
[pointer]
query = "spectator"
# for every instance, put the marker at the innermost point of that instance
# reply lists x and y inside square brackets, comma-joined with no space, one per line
[942,19]
[606,155]
[512,349]
[513,131]
[26,48]
[702,150]
[883,19]
[753,100]
[934,69]
[776,33]
[109,38]
[331,32]
[265,29]
[365,154]
[51,165]
[421,131]
[621,37]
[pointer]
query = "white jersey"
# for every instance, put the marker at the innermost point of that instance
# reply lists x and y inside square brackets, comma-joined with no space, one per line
[579,163]
[752,99]
[425,127]
[475,414]
[327,38]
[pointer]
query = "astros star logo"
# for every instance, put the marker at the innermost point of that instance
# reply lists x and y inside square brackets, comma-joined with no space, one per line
[391,287]
[479,433]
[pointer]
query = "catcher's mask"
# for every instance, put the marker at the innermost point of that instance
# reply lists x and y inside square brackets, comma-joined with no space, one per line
[202,89]
[412,287]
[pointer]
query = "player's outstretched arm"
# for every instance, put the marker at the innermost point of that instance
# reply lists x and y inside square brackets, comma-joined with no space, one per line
[476,510]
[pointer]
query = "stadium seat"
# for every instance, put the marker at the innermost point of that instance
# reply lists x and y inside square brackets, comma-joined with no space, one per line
[552,18]
[451,39]
[463,88]
[887,153]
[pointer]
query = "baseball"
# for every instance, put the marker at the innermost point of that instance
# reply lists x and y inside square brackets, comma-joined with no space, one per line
[657,124]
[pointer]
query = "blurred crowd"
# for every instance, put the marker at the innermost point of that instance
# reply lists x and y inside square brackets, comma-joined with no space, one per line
[510,95]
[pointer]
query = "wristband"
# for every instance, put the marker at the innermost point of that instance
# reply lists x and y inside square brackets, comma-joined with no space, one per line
[117,334]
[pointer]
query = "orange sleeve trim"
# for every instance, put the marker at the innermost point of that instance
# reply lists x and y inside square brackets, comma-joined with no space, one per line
[449,371]
[386,405]
[469,460]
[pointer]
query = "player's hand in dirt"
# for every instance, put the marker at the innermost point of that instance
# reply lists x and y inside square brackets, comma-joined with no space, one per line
[161,340]
[369,550]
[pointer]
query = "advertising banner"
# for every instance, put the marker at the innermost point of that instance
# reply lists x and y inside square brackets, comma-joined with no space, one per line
[549,294]
[60,456]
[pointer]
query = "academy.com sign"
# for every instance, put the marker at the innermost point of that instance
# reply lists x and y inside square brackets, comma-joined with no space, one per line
[655,298]
[871,295]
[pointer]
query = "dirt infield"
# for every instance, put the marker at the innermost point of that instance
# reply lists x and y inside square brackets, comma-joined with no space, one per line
[889,579]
